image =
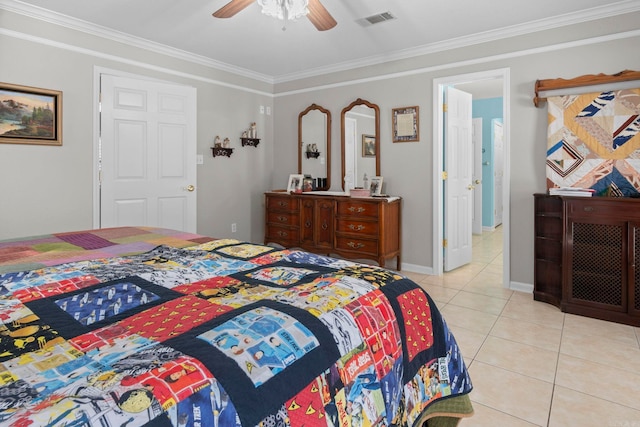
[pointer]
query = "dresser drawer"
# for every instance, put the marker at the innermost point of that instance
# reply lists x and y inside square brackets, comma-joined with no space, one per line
[286,236]
[358,209]
[282,203]
[283,218]
[354,244]
[625,209]
[364,228]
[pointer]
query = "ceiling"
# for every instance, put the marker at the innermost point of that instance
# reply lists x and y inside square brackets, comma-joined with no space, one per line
[255,45]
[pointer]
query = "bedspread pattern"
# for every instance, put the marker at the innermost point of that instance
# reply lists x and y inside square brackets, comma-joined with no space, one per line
[223,333]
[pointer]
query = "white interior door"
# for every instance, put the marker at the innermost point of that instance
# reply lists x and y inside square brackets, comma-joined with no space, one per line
[458,187]
[147,154]
[498,171]
[477,176]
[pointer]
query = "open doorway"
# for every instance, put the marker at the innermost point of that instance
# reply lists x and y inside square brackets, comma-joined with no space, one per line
[500,76]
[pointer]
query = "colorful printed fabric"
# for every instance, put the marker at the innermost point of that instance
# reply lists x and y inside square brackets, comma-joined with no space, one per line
[593,141]
[220,332]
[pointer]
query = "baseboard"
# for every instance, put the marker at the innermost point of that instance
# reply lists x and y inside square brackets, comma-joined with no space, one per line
[514,286]
[416,268]
[521,287]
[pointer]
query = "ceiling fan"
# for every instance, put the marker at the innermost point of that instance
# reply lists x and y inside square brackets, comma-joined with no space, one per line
[318,15]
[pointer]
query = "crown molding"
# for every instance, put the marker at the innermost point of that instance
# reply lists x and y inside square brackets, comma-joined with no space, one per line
[120,37]
[468,62]
[623,7]
[144,65]
[471,40]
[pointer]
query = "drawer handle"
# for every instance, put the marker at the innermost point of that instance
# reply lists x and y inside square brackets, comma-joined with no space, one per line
[283,218]
[283,204]
[325,225]
[588,209]
[359,209]
[283,233]
[307,224]
[355,245]
[358,227]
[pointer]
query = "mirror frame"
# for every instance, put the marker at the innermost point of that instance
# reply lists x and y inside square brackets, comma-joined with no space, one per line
[328,142]
[345,110]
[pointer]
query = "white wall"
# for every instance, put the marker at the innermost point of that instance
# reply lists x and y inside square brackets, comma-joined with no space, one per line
[47,189]
[50,189]
[589,48]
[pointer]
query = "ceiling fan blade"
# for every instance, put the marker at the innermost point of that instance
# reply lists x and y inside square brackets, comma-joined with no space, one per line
[319,16]
[231,8]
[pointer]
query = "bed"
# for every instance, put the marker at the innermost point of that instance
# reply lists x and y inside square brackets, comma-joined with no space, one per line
[146,326]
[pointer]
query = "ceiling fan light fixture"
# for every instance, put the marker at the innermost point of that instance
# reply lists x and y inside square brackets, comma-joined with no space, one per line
[285,9]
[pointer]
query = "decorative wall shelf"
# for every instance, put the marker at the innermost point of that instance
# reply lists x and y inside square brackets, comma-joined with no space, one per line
[221,151]
[252,142]
[586,80]
[313,154]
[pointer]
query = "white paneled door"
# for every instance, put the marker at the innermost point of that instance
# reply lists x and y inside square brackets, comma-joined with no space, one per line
[147,154]
[458,186]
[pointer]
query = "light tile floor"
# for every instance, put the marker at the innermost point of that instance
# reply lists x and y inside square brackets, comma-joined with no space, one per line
[531,364]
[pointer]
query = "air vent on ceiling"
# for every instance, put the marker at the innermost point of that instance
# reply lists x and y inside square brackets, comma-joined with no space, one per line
[377,18]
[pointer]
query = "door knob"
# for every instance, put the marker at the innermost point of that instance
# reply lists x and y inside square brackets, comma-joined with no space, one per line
[477,181]
[470,187]
[190,188]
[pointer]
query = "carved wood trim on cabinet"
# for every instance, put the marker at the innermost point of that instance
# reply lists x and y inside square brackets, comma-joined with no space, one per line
[354,228]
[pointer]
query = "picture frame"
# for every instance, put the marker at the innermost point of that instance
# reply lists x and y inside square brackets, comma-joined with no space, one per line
[406,124]
[307,184]
[368,145]
[375,186]
[295,183]
[17,122]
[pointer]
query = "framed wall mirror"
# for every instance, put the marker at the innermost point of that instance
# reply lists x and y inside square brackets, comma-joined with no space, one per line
[314,145]
[360,127]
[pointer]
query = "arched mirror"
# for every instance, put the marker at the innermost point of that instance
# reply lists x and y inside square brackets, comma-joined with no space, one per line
[314,145]
[360,125]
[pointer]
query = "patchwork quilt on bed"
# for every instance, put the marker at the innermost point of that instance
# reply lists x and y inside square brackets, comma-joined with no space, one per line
[219,333]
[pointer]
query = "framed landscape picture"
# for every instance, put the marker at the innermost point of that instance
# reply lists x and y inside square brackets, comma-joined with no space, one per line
[30,115]
[368,146]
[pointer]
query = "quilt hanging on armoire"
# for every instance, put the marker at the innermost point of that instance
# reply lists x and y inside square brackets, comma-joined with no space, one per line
[594,142]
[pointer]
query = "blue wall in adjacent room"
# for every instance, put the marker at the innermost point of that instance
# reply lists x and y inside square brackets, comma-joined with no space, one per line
[488,110]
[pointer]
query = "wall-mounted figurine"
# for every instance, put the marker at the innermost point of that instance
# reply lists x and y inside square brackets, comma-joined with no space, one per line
[217,142]
[253,131]
[226,143]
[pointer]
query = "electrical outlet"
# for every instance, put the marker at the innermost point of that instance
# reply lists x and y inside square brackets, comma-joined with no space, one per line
[262,109]
[234,228]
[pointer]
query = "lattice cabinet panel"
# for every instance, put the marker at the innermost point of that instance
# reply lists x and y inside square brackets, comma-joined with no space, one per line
[597,271]
[634,297]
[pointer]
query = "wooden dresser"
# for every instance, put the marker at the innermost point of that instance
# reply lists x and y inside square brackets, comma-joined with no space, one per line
[354,228]
[586,253]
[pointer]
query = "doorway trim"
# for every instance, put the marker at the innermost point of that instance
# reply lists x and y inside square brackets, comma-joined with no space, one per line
[98,71]
[438,165]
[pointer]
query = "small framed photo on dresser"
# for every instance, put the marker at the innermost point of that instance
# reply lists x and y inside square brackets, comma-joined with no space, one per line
[295,183]
[376,186]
